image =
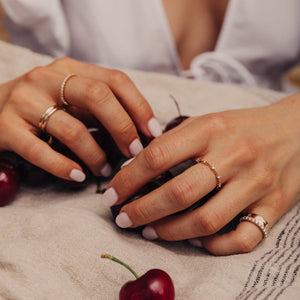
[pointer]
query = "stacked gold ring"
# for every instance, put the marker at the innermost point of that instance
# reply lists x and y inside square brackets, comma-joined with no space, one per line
[259,221]
[46,115]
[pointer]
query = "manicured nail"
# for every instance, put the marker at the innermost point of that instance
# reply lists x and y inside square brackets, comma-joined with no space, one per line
[106,170]
[127,162]
[109,197]
[123,221]
[77,175]
[154,127]
[149,233]
[196,242]
[135,147]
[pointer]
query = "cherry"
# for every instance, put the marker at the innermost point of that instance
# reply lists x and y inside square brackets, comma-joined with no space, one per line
[155,284]
[176,121]
[32,175]
[9,182]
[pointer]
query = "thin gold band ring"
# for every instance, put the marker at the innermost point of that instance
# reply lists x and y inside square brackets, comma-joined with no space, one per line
[62,89]
[213,169]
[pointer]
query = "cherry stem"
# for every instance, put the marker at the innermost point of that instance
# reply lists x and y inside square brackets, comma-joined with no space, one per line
[176,103]
[121,263]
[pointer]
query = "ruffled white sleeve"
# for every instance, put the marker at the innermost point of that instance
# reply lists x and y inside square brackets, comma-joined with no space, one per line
[38,24]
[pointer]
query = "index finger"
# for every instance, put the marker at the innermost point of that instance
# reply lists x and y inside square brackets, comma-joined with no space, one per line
[122,86]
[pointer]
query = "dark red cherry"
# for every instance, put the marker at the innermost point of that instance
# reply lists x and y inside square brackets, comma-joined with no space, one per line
[9,182]
[175,122]
[108,145]
[32,175]
[155,284]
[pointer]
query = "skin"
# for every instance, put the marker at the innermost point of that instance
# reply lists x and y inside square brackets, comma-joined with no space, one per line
[259,169]
[24,99]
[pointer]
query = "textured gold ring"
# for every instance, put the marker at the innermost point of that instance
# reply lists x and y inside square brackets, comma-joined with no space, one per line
[213,169]
[62,88]
[259,221]
[46,115]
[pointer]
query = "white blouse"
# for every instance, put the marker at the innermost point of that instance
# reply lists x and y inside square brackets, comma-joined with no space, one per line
[259,40]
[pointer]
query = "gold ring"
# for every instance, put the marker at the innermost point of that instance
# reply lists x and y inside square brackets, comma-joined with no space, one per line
[259,221]
[213,169]
[46,115]
[62,88]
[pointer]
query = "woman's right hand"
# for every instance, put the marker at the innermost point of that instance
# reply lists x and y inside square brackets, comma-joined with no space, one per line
[95,94]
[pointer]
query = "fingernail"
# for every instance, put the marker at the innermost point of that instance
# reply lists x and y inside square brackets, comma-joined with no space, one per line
[106,170]
[109,197]
[196,242]
[123,221]
[154,127]
[127,162]
[77,175]
[135,147]
[149,233]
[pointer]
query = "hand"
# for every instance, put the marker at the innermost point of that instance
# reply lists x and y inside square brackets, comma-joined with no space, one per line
[95,95]
[255,151]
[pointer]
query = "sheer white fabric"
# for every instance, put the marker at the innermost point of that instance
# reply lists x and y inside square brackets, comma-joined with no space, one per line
[259,40]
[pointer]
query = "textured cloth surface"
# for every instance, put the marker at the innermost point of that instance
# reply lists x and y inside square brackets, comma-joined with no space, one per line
[51,240]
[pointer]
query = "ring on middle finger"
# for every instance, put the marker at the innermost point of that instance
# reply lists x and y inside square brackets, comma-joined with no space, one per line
[46,115]
[213,169]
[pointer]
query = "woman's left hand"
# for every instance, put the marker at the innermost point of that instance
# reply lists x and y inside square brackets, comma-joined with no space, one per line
[255,151]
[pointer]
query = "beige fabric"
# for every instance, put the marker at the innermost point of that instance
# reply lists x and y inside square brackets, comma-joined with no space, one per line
[51,240]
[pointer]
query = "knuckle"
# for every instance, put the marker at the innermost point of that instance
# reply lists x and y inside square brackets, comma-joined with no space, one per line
[180,193]
[155,157]
[64,63]
[141,213]
[208,222]
[126,127]
[245,152]
[117,77]
[245,244]
[217,123]
[73,132]
[37,74]
[265,179]
[97,93]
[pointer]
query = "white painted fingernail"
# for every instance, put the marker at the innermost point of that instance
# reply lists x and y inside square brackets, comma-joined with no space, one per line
[196,242]
[123,221]
[127,162]
[106,170]
[149,233]
[154,127]
[135,147]
[77,175]
[109,197]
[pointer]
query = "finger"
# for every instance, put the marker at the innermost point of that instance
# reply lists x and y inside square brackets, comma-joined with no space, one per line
[102,103]
[160,155]
[73,133]
[122,86]
[243,239]
[210,217]
[40,154]
[178,194]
